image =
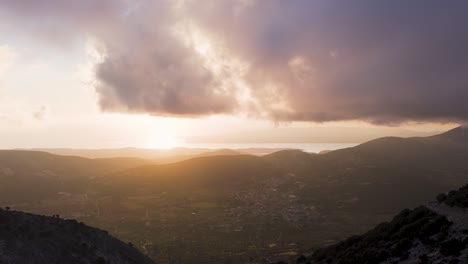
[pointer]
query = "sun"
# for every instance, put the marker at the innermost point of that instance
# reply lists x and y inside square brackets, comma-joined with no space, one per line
[164,141]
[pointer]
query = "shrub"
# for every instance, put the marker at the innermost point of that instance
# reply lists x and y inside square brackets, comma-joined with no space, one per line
[423,259]
[101,260]
[401,247]
[434,226]
[441,197]
[452,247]
[457,198]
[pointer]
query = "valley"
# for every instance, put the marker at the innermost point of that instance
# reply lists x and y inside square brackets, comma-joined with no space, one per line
[238,208]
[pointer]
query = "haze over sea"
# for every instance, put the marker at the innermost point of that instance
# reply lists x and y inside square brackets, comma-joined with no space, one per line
[307,147]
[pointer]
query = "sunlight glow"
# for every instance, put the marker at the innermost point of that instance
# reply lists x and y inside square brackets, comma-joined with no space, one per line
[164,141]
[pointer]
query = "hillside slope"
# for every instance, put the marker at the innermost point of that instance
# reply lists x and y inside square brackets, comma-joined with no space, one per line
[27,238]
[217,171]
[27,162]
[435,233]
[366,177]
[27,176]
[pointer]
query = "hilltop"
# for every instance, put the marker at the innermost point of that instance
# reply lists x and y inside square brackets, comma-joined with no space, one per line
[27,238]
[29,176]
[457,134]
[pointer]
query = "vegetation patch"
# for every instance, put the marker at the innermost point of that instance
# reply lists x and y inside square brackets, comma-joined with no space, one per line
[457,198]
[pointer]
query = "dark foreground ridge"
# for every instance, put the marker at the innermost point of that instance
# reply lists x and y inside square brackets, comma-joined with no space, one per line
[435,233]
[28,238]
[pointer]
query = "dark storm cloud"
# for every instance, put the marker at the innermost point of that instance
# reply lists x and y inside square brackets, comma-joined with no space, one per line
[379,61]
[382,61]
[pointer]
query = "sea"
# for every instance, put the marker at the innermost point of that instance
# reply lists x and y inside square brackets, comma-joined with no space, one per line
[307,147]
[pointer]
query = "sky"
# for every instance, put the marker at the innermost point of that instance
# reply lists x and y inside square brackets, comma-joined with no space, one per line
[161,73]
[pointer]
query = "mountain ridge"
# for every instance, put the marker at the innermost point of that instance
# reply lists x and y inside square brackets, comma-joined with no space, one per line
[28,238]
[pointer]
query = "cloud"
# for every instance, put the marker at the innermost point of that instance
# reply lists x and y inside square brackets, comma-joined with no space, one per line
[397,61]
[325,60]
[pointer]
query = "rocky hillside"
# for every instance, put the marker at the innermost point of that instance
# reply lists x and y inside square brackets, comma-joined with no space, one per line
[27,238]
[435,233]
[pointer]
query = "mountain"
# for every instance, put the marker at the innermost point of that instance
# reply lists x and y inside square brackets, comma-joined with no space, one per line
[210,153]
[214,174]
[178,154]
[262,207]
[27,238]
[34,175]
[457,134]
[125,152]
[435,233]
[365,177]
[25,162]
